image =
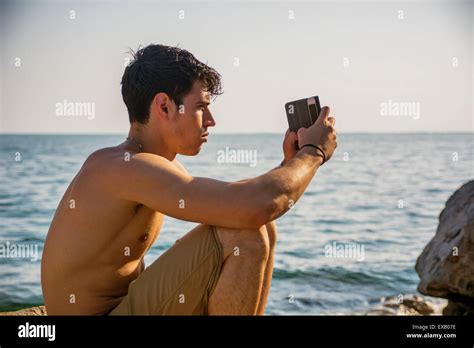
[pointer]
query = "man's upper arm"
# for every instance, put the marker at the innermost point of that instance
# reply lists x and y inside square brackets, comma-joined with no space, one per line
[160,185]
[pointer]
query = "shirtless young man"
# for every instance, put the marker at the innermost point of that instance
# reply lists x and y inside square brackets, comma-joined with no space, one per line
[112,211]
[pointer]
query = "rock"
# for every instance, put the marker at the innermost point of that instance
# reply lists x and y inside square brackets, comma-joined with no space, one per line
[458,308]
[446,265]
[40,310]
[381,311]
[415,305]
[405,305]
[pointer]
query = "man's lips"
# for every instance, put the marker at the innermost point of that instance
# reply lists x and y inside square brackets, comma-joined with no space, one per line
[205,134]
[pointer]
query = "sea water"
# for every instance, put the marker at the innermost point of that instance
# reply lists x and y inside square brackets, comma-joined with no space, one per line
[351,239]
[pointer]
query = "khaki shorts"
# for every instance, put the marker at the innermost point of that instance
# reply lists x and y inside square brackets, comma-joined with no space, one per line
[180,281]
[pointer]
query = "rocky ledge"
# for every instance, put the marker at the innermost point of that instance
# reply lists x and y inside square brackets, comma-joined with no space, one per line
[40,310]
[408,304]
[446,265]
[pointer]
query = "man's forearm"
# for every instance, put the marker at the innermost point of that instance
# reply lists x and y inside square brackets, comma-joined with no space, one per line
[287,183]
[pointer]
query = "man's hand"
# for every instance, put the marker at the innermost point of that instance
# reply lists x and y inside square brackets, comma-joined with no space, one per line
[322,133]
[289,146]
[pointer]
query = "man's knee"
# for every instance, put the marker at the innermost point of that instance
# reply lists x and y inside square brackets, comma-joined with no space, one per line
[252,243]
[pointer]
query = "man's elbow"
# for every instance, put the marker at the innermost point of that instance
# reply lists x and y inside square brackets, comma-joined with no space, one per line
[265,213]
[270,204]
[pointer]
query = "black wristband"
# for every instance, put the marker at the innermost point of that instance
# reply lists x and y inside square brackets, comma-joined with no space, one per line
[319,148]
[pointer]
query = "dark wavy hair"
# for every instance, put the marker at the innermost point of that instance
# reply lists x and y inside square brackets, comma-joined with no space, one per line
[159,68]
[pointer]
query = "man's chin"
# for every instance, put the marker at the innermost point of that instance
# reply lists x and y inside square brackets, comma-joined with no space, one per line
[191,152]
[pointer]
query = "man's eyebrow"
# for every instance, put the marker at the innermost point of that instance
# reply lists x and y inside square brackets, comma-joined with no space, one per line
[202,102]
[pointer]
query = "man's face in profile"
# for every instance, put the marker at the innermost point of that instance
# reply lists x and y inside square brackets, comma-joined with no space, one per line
[191,121]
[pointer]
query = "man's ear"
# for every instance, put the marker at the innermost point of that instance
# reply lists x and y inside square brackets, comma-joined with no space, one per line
[161,104]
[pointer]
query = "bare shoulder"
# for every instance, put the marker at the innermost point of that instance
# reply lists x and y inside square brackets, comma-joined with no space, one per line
[113,162]
[180,166]
[117,165]
[114,157]
[120,161]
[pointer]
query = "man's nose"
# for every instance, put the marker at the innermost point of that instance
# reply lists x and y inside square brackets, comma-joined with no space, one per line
[208,120]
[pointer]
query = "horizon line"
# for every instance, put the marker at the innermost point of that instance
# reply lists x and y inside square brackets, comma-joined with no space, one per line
[249,133]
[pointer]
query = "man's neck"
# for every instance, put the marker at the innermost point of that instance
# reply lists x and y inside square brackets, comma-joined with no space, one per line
[150,144]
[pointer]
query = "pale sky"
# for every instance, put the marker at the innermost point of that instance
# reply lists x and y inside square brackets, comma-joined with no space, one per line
[414,59]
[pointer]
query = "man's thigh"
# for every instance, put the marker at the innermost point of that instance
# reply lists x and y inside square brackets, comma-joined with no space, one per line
[180,281]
